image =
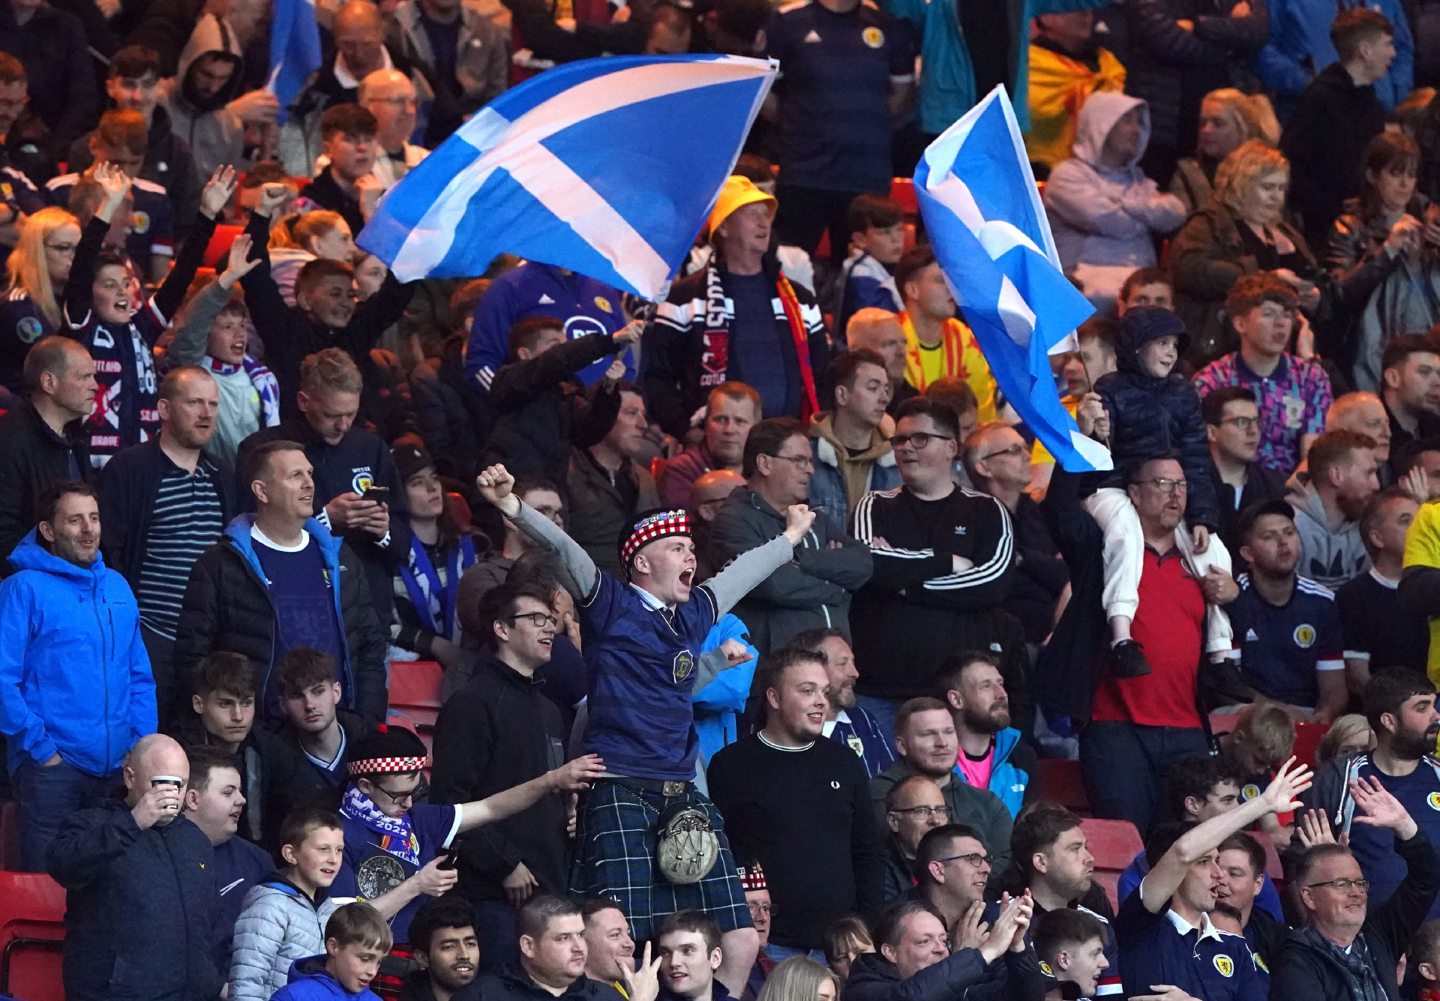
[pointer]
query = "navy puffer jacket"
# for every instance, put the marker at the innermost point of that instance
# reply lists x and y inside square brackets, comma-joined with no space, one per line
[1151,416]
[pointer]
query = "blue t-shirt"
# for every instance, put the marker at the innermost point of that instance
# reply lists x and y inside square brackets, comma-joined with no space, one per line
[836,71]
[1204,962]
[369,869]
[642,660]
[301,591]
[1281,647]
[1374,847]
[758,355]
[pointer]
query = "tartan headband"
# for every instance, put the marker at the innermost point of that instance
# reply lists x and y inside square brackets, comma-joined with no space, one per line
[652,526]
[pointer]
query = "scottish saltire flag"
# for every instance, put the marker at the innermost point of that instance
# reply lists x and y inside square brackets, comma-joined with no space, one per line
[294,50]
[985,221]
[605,166]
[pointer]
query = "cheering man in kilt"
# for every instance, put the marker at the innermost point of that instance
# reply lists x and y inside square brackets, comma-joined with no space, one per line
[648,838]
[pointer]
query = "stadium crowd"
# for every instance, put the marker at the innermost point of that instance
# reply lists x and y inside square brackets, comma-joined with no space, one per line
[763,624]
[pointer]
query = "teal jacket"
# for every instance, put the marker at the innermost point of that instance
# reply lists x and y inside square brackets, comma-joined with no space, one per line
[1007,780]
[947,87]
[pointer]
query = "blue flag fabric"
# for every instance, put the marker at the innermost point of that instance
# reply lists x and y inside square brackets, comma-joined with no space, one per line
[607,167]
[983,213]
[294,50]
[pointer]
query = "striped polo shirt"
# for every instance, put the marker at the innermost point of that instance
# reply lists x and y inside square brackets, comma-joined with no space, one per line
[186,519]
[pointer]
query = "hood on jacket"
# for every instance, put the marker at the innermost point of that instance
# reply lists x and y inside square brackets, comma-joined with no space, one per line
[822,428]
[212,36]
[31,555]
[1301,495]
[1098,116]
[871,968]
[238,534]
[1141,325]
[312,968]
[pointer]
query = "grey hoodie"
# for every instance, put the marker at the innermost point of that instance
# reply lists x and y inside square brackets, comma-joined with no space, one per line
[1327,557]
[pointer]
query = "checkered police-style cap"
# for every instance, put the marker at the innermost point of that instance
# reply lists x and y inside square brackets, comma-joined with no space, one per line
[752,877]
[650,526]
[389,750]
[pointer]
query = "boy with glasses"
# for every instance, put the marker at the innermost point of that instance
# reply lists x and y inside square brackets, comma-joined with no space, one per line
[1232,430]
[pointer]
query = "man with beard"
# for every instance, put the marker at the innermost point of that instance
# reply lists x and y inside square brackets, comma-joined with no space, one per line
[1164,928]
[1328,500]
[1287,628]
[165,502]
[443,937]
[609,948]
[925,738]
[1242,874]
[845,720]
[992,755]
[1400,707]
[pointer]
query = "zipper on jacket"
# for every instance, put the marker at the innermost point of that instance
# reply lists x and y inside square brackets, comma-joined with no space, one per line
[106,638]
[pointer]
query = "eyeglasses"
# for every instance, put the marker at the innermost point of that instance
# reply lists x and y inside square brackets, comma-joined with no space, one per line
[757,908]
[1242,423]
[917,441]
[398,798]
[537,619]
[1344,885]
[926,812]
[62,248]
[798,461]
[1019,448]
[1168,486]
[974,860]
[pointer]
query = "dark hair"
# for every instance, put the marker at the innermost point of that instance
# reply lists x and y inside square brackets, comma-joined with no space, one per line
[1400,348]
[50,355]
[350,119]
[1388,690]
[257,461]
[1055,930]
[1036,829]
[301,821]
[448,911]
[1311,857]
[873,212]
[1242,842]
[321,268]
[842,932]
[1141,277]
[843,369]
[359,924]
[767,438]
[591,906]
[912,262]
[536,914]
[813,640]
[225,671]
[697,922]
[500,604]
[778,663]
[948,678]
[1136,473]
[1104,329]
[734,389]
[944,417]
[133,62]
[1388,149]
[1334,449]
[1197,776]
[1256,289]
[1162,836]
[1252,513]
[1356,26]
[1425,943]
[264,172]
[303,667]
[912,707]
[1212,406]
[526,334]
[892,922]
[936,843]
[1375,509]
[49,500]
[755,168]
[204,760]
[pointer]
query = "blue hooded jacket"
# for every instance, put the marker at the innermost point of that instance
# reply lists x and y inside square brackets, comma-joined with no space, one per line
[310,981]
[75,679]
[1006,779]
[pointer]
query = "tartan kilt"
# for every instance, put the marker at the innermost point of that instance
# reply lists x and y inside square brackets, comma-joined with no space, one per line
[616,860]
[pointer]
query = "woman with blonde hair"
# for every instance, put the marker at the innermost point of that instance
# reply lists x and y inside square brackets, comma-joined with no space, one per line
[1228,117]
[800,979]
[1240,231]
[38,267]
[298,240]
[1348,735]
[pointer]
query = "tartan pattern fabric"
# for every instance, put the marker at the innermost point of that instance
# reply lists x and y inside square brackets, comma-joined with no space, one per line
[616,834]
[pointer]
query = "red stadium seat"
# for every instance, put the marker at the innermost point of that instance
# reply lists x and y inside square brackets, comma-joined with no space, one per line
[219,246]
[902,190]
[1307,741]
[415,693]
[32,930]
[1114,843]
[1060,782]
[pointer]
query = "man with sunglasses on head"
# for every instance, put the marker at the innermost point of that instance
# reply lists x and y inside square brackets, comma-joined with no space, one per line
[812,591]
[942,564]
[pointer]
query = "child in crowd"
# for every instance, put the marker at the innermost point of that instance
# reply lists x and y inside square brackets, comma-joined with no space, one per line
[1151,409]
[877,239]
[1262,741]
[284,919]
[1071,947]
[356,939]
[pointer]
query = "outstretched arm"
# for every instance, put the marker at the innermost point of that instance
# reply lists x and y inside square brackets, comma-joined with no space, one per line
[749,569]
[497,486]
[573,776]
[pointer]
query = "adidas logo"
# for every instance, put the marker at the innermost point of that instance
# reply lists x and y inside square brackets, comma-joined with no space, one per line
[814,36]
[545,300]
[1251,636]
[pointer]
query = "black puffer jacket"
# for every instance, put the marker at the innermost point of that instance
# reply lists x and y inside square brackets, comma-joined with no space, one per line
[962,976]
[138,907]
[32,457]
[1150,416]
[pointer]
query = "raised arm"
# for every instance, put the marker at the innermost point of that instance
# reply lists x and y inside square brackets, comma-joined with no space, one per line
[573,776]
[750,568]
[497,486]
[79,287]
[192,337]
[213,200]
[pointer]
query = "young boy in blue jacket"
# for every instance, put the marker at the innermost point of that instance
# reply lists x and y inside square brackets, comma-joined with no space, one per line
[356,939]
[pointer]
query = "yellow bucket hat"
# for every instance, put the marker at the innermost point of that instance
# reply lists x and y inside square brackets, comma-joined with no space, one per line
[737,193]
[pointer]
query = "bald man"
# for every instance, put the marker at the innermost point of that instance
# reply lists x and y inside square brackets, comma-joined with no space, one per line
[140,890]
[470,76]
[880,331]
[390,96]
[1365,413]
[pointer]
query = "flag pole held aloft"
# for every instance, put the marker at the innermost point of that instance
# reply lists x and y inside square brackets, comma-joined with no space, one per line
[607,167]
[983,213]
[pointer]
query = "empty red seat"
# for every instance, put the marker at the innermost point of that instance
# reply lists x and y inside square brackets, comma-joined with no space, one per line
[1060,782]
[32,933]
